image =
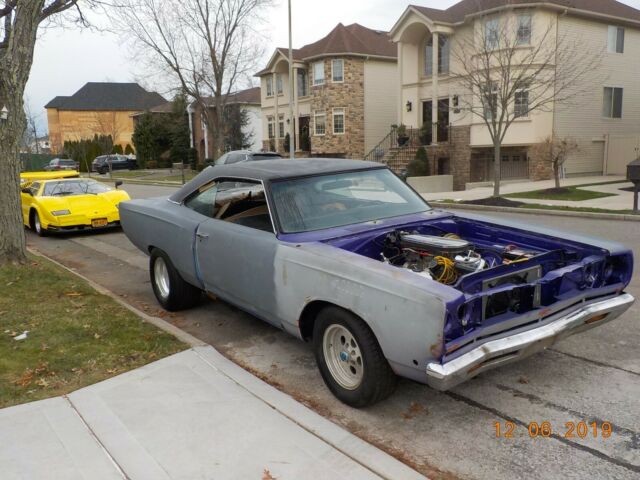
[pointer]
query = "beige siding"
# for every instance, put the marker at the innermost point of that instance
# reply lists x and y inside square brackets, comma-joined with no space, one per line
[582,119]
[380,101]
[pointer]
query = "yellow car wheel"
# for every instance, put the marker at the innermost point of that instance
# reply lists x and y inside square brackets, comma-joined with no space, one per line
[36,225]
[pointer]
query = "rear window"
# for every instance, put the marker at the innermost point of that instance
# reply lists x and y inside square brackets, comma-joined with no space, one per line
[262,156]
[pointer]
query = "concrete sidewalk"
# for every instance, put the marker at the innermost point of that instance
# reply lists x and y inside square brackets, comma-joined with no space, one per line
[192,415]
[528,186]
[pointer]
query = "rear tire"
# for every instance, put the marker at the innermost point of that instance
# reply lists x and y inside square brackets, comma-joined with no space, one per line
[350,359]
[171,291]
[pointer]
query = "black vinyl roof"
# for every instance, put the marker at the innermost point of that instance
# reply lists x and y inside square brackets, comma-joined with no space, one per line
[97,96]
[267,170]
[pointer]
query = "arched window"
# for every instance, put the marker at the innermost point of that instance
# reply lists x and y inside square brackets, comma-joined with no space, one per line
[443,55]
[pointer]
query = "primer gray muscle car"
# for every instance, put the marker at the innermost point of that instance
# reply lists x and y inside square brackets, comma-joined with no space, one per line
[345,255]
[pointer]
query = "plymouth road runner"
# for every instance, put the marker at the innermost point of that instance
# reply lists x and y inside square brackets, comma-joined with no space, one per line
[345,255]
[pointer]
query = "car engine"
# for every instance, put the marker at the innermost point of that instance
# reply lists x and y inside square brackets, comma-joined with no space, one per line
[443,258]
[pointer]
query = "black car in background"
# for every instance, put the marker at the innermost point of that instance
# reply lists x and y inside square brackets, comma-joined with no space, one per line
[239,156]
[117,162]
[61,164]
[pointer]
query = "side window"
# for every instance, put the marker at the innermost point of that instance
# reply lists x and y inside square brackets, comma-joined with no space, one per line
[236,157]
[243,203]
[203,200]
[34,188]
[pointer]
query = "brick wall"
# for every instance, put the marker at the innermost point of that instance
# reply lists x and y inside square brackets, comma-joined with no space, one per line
[348,95]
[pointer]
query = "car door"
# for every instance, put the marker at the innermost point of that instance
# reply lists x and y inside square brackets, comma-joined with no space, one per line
[235,249]
[27,195]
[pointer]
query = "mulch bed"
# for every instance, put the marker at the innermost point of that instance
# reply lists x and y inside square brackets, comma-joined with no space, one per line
[495,202]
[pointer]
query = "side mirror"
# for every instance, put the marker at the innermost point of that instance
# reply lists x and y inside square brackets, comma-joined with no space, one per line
[27,191]
[118,183]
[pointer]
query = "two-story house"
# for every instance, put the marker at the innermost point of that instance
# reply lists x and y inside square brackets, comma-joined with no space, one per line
[430,92]
[344,95]
[98,108]
[201,135]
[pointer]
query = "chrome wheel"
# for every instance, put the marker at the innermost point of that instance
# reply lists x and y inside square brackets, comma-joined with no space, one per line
[343,357]
[161,277]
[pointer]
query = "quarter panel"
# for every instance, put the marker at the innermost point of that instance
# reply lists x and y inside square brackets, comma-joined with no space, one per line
[400,307]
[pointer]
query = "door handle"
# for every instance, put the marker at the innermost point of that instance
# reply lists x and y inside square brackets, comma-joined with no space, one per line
[202,236]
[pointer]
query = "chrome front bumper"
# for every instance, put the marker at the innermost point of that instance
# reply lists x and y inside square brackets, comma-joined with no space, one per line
[515,347]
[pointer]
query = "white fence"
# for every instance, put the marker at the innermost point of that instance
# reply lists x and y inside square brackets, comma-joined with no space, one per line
[619,151]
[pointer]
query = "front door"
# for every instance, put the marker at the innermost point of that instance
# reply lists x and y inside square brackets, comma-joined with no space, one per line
[427,121]
[236,248]
[443,121]
[303,134]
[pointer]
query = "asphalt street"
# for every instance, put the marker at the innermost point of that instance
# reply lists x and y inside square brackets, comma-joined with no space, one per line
[592,377]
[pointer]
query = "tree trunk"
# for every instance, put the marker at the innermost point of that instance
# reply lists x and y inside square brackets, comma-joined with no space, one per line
[556,174]
[12,238]
[15,65]
[496,169]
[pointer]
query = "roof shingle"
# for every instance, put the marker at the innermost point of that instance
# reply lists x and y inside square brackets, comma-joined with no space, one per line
[97,96]
[457,13]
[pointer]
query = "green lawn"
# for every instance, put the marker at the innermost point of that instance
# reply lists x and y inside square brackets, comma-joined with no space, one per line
[76,336]
[537,206]
[566,193]
[130,173]
[175,177]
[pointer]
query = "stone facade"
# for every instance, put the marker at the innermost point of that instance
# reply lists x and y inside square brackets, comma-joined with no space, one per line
[460,156]
[348,95]
[539,170]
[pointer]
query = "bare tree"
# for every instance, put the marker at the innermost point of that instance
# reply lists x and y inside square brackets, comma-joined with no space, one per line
[509,71]
[19,23]
[554,151]
[30,136]
[207,46]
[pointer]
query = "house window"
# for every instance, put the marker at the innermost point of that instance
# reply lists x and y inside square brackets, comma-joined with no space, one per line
[443,55]
[616,39]
[338,121]
[522,104]
[337,70]
[612,107]
[269,86]
[490,101]
[524,29]
[271,127]
[492,34]
[319,123]
[303,83]
[279,83]
[281,126]
[318,73]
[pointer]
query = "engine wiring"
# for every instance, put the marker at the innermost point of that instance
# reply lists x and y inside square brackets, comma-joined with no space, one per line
[449,274]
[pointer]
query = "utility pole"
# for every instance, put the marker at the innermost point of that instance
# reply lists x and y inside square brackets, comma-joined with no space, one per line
[292,122]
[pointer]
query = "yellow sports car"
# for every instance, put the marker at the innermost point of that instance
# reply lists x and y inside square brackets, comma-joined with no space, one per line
[58,202]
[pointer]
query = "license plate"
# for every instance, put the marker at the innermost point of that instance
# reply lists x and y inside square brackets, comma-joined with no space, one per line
[99,222]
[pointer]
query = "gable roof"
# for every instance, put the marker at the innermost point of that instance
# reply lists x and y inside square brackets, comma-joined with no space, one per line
[250,96]
[458,12]
[352,39]
[97,96]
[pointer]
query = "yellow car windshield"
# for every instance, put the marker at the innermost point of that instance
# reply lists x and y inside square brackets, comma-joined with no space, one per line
[73,187]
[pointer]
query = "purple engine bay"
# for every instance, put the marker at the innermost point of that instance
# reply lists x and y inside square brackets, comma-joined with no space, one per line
[504,276]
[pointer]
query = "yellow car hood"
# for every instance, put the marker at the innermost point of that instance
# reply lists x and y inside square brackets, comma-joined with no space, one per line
[37,176]
[89,205]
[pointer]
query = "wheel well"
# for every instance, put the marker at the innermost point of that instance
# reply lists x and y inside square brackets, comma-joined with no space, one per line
[310,313]
[32,212]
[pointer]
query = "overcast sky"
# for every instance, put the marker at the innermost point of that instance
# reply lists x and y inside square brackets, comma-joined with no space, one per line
[66,59]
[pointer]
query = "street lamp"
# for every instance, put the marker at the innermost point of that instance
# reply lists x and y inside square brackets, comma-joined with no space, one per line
[4,113]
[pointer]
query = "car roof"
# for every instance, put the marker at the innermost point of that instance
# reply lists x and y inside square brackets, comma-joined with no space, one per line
[274,170]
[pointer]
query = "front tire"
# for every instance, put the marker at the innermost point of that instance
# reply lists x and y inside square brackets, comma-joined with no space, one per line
[37,225]
[171,291]
[350,359]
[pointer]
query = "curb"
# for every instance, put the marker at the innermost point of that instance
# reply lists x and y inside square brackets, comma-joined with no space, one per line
[533,211]
[369,456]
[156,321]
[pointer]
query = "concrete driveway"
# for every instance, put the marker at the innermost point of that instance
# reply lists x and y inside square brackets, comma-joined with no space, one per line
[593,377]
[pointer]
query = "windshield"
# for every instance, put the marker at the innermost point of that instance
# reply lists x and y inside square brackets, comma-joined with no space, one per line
[73,187]
[328,201]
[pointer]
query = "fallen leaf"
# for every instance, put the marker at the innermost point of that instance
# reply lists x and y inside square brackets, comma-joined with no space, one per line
[111,371]
[42,383]
[42,367]
[266,475]
[523,380]
[96,336]
[73,294]
[25,379]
